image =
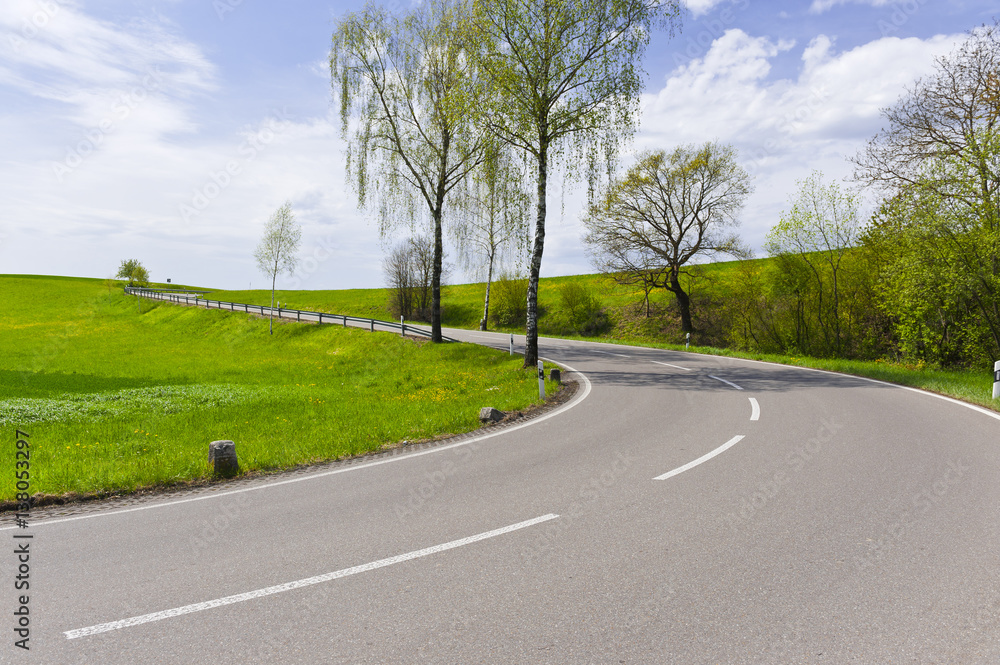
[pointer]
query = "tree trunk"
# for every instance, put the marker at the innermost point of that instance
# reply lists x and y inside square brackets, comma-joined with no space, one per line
[436,272]
[486,303]
[683,302]
[531,327]
[270,319]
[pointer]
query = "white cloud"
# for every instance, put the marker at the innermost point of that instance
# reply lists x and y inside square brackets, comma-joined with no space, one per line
[820,6]
[699,7]
[785,127]
[131,136]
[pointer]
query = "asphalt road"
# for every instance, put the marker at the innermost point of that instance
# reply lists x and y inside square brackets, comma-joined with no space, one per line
[853,522]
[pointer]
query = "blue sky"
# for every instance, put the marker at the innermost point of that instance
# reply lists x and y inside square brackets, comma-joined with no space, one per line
[169,131]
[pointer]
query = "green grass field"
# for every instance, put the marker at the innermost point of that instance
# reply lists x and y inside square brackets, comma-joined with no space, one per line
[462,308]
[119,394]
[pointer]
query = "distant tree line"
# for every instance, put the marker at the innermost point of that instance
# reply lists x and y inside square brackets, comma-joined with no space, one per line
[920,280]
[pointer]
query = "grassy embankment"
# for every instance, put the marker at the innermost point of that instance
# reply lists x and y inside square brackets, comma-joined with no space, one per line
[118,394]
[462,308]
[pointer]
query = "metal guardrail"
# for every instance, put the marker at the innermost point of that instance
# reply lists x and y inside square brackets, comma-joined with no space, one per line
[299,315]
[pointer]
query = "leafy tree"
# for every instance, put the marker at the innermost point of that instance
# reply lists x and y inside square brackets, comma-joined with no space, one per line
[817,233]
[134,272]
[510,299]
[936,238]
[566,80]
[668,210]
[277,251]
[951,116]
[413,94]
[496,210]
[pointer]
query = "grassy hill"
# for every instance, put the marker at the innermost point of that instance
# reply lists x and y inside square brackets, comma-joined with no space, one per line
[626,323]
[118,393]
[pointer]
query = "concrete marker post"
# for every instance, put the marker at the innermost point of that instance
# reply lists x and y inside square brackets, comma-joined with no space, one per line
[512,344]
[541,380]
[996,379]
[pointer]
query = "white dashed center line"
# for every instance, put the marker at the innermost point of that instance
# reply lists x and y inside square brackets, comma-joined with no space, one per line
[704,458]
[686,369]
[728,383]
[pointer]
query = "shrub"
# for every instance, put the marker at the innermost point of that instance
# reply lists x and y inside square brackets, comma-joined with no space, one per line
[509,300]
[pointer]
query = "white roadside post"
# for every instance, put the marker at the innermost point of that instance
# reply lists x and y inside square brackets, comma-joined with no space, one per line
[687,341]
[541,380]
[996,379]
[402,326]
[512,344]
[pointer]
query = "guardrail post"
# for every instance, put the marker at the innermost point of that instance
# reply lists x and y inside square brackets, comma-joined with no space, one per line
[345,320]
[996,379]
[298,315]
[372,322]
[541,380]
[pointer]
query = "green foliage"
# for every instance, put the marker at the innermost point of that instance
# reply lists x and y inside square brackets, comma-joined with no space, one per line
[509,297]
[116,399]
[938,279]
[277,251]
[564,79]
[582,309]
[414,95]
[134,272]
[668,210]
[812,242]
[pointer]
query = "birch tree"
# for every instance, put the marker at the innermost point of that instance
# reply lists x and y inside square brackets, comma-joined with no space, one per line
[408,98]
[277,251]
[496,210]
[566,78]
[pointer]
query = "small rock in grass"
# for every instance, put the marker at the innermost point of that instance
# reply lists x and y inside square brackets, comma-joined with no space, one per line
[488,414]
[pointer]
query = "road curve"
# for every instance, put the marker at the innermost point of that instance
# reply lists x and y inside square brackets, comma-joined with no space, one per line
[684,509]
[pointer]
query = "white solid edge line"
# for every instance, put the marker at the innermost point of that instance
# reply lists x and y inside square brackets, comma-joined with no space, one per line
[728,383]
[298,584]
[704,458]
[686,369]
[755,414]
[985,412]
[215,495]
